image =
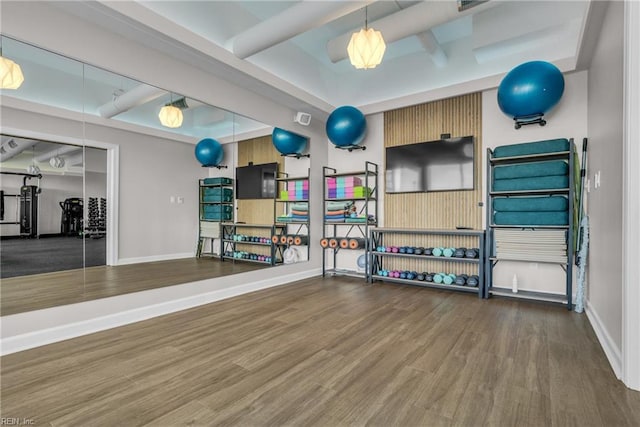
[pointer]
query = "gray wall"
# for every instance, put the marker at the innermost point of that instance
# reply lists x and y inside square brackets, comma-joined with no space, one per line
[605,156]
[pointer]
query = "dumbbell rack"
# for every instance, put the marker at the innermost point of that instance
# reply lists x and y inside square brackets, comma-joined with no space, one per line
[380,259]
[97,218]
[227,244]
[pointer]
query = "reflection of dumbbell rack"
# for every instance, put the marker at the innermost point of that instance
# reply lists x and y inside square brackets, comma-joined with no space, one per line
[393,262]
[96,218]
[251,243]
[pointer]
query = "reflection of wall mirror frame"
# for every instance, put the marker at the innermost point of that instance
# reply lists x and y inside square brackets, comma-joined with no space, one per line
[149,170]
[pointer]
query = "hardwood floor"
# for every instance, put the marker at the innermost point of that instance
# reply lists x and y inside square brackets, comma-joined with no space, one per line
[328,352]
[38,291]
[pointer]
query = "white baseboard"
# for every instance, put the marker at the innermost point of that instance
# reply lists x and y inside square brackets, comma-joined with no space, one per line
[612,352]
[47,336]
[153,258]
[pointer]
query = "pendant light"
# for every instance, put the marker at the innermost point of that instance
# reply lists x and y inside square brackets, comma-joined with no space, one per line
[366,47]
[170,115]
[11,76]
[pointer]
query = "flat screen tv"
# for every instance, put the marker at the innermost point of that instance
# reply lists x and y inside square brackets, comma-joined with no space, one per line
[256,181]
[442,165]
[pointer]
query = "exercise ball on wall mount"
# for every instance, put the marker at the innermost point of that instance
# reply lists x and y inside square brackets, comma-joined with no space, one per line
[346,127]
[209,152]
[529,91]
[288,142]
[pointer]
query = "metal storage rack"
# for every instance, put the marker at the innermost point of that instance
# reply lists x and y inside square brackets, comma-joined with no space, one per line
[295,227]
[209,229]
[492,258]
[228,244]
[369,207]
[378,258]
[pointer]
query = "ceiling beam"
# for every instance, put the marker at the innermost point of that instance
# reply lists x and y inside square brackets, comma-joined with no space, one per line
[295,20]
[13,147]
[139,95]
[407,22]
[45,157]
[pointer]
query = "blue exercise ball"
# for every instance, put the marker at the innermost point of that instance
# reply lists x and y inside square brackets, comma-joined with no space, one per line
[530,89]
[209,152]
[288,142]
[346,126]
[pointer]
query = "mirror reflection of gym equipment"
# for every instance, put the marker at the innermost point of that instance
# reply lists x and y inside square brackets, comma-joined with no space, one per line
[53,210]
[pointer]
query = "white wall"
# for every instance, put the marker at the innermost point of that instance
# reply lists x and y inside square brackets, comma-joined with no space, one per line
[605,156]
[567,120]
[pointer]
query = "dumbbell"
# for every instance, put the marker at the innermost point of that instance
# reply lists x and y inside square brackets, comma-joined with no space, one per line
[473,281]
[420,277]
[394,249]
[461,280]
[471,253]
[411,250]
[428,251]
[418,251]
[460,252]
[448,252]
[403,275]
[438,277]
[428,277]
[448,279]
[437,251]
[402,250]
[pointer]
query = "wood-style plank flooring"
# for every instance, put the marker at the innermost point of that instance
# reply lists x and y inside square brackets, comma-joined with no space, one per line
[328,352]
[38,291]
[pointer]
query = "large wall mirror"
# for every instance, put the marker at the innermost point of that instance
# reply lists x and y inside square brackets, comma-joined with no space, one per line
[101,199]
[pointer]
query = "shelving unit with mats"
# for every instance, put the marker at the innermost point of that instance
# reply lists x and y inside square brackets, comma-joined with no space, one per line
[251,243]
[409,253]
[530,211]
[216,204]
[348,233]
[293,193]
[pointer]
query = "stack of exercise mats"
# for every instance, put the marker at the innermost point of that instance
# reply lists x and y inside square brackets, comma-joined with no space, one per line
[345,211]
[338,211]
[532,201]
[298,212]
[296,190]
[531,245]
[217,212]
[531,193]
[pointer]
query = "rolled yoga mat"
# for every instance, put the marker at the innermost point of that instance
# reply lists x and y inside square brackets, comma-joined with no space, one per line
[344,243]
[356,243]
[323,242]
[300,240]
[333,243]
[283,239]
[290,239]
[276,239]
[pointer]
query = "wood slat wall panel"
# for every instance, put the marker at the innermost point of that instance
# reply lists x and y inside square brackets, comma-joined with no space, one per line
[258,150]
[459,116]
